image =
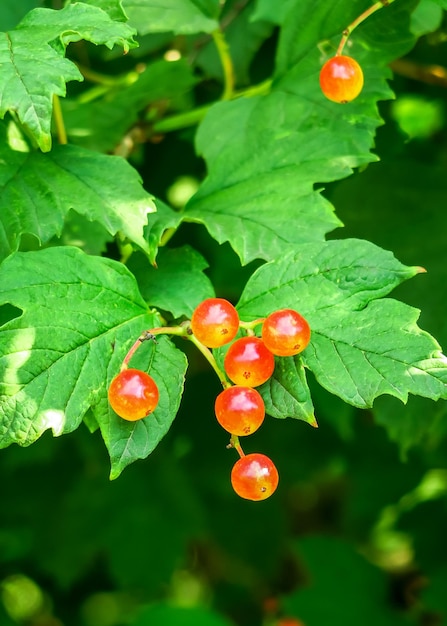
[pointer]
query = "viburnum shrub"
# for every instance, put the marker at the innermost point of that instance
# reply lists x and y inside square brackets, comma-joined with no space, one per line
[101,283]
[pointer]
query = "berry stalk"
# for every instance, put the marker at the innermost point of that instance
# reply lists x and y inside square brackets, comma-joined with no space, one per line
[361,18]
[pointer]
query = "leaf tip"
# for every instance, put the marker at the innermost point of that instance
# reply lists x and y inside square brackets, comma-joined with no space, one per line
[313,422]
[420,270]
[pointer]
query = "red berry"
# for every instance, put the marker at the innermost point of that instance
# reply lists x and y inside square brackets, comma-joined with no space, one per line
[341,79]
[248,362]
[215,322]
[133,394]
[254,477]
[285,332]
[240,410]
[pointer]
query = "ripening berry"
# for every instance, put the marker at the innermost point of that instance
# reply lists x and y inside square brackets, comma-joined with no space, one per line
[248,362]
[254,477]
[240,410]
[133,394]
[285,332]
[215,322]
[341,79]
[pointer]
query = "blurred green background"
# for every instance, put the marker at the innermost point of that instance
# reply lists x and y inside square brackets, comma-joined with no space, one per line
[355,532]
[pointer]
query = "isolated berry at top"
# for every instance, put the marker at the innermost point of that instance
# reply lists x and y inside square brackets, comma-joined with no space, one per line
[240,410]
[248,362]
[285,332]
[341,79]
[133,394]
[215,322]
[254,477]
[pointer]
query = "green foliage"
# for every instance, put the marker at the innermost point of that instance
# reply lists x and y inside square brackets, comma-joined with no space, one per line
[107,107]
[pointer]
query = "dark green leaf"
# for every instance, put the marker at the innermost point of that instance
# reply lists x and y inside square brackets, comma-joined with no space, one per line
[33,64]
[177,284]
[80,316]
[360,347]
[37,191]
[286,393]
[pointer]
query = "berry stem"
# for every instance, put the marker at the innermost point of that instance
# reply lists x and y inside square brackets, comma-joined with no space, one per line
[250,326]
[180,331]
[235,443]
[361,18]
[210,358]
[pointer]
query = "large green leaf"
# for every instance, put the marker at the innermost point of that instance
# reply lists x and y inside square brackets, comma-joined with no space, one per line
[37,191]
[407,196]
[267,155]
[80,315]
[33,65]
[185,17]
[361,347]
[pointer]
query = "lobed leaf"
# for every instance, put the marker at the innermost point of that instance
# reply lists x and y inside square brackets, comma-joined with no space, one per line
[361,347]
[38,190]
[268,155]
[80,315]
[33,65]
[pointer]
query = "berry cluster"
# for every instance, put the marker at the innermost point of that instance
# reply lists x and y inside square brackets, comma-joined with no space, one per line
[248,363]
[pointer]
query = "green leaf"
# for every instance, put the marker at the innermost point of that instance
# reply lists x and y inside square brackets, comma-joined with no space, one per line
[185,17]
[129,441]
[255,183]
[177,284]
[286,393]
[363,590]
[268,155]
[80,316]
[33,66]
[360,347]
[164,219]
[37,191]
[113,8]
[76,22]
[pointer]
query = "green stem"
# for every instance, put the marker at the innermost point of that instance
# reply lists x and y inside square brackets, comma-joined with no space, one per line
[211,360]
[361,18]
[149,335]
[227,63]
[235,443]
[250,326]
[59,121]
[191,118]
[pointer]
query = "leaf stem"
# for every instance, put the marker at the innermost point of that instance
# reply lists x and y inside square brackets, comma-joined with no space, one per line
[227,63]
[235,443]
[191,118]
[59,121]
[361,18]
